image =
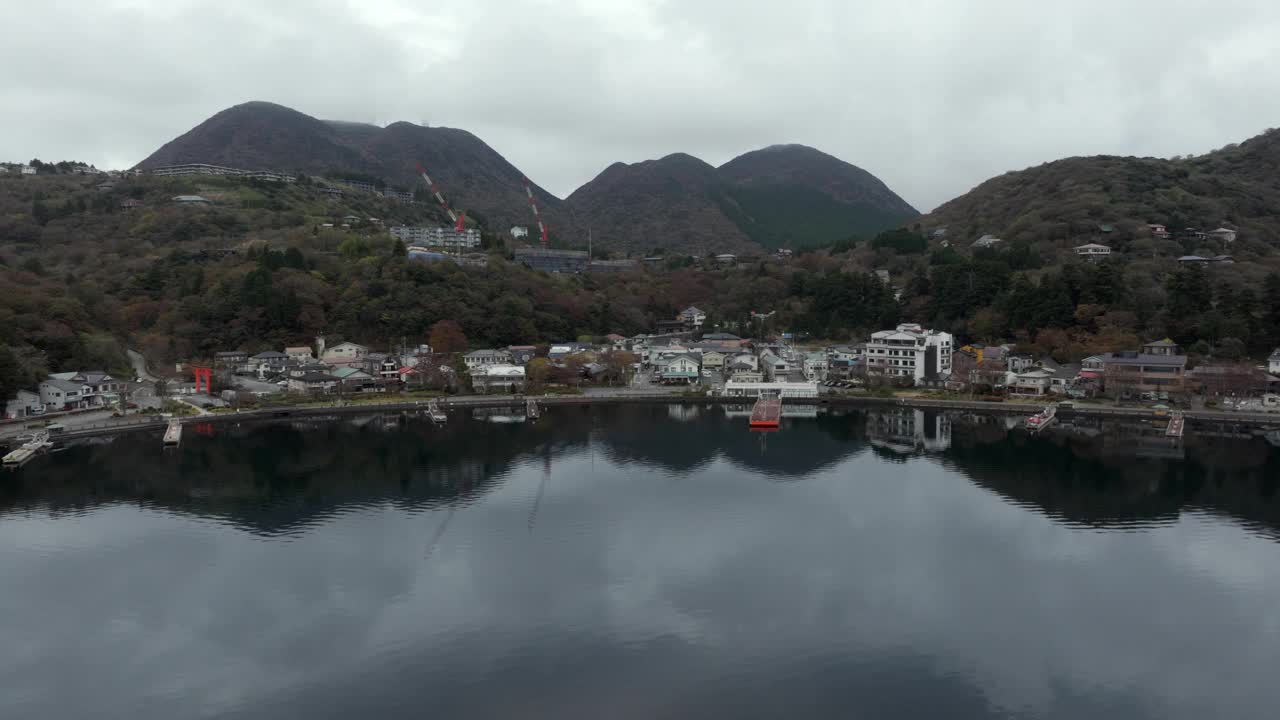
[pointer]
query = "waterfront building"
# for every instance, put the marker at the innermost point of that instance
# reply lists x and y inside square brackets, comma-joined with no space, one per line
[498,377]
[1158,367]
[739,387]
[911,352]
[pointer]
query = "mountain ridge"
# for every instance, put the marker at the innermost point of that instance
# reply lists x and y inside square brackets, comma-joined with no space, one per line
[1112,198]
[678,201]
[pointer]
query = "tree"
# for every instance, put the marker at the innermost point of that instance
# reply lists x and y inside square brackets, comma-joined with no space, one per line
[398,249]
[537,372]
[617,366]
[12,377]
[447,337]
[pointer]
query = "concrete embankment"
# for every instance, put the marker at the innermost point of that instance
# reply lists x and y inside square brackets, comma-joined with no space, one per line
[1194,418]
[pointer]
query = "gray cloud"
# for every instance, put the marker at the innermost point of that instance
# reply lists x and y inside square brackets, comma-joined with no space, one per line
[933,97]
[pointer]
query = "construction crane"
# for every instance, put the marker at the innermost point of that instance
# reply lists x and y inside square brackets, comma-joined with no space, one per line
[542,228]
[458,220]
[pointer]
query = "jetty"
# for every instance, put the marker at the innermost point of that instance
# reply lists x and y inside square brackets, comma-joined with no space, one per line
[1042,419]
[433,409]
[531,409]
[173,433]
[766,414]
[29,449]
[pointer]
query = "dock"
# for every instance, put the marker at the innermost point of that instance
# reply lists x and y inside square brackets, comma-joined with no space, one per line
[1177,422]
[23,455]
[766,414]
[437,415]
[173,433]
[532,410]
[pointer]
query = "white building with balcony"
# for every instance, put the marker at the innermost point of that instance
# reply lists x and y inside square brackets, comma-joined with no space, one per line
[442,237]
[910,351]
[1093,251]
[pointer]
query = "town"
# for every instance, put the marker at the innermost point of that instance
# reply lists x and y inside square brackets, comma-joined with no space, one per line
[683,356]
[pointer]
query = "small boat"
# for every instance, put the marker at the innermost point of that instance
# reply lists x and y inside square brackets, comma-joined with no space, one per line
[1043,419]
[437,415]
[1177,423]
[532,410]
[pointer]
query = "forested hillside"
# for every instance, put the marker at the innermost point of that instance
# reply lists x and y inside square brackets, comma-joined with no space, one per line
[81,278]
[1112,199]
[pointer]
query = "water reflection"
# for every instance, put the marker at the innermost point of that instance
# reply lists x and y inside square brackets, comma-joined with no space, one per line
[611,562]
[277,477]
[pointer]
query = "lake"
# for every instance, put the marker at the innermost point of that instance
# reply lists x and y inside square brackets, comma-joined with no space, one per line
[644,562]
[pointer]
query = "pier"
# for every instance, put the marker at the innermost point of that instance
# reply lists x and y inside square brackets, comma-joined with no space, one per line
[173,433]
[766,414]
[36,445]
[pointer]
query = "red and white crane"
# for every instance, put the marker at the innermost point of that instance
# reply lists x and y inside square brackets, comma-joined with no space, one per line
[435,190]
[542,228]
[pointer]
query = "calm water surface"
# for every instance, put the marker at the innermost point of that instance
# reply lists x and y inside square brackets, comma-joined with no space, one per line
[643,562]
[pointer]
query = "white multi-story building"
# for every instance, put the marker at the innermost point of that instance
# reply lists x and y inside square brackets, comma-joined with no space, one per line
[816,366]
[910,351]
[443,237]
[206,169]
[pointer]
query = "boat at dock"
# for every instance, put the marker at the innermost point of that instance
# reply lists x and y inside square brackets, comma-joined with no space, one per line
[173,433]
[1043,419]
[437,415]
[21,456]
[1177,423]
[532,410]
[766,414]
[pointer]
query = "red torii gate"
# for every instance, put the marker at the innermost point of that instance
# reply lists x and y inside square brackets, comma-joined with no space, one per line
[205,373]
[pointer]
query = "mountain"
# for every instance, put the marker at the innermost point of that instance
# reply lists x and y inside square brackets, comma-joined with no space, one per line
[1111,199]
[678,202]
[472,175]
[792,195]
[780,196]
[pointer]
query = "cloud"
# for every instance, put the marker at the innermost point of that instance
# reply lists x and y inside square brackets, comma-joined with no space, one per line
[931,96]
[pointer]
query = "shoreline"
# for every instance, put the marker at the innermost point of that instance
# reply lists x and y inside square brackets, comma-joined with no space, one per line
[1255,421]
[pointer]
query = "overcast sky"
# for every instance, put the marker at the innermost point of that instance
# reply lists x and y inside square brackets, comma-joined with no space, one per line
[933,96]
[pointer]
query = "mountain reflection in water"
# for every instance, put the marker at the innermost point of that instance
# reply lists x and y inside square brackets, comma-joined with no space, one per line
[644,561]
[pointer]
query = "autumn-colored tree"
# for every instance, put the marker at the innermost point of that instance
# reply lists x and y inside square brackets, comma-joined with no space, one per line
[537,372]
[447,337]
[618,366]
